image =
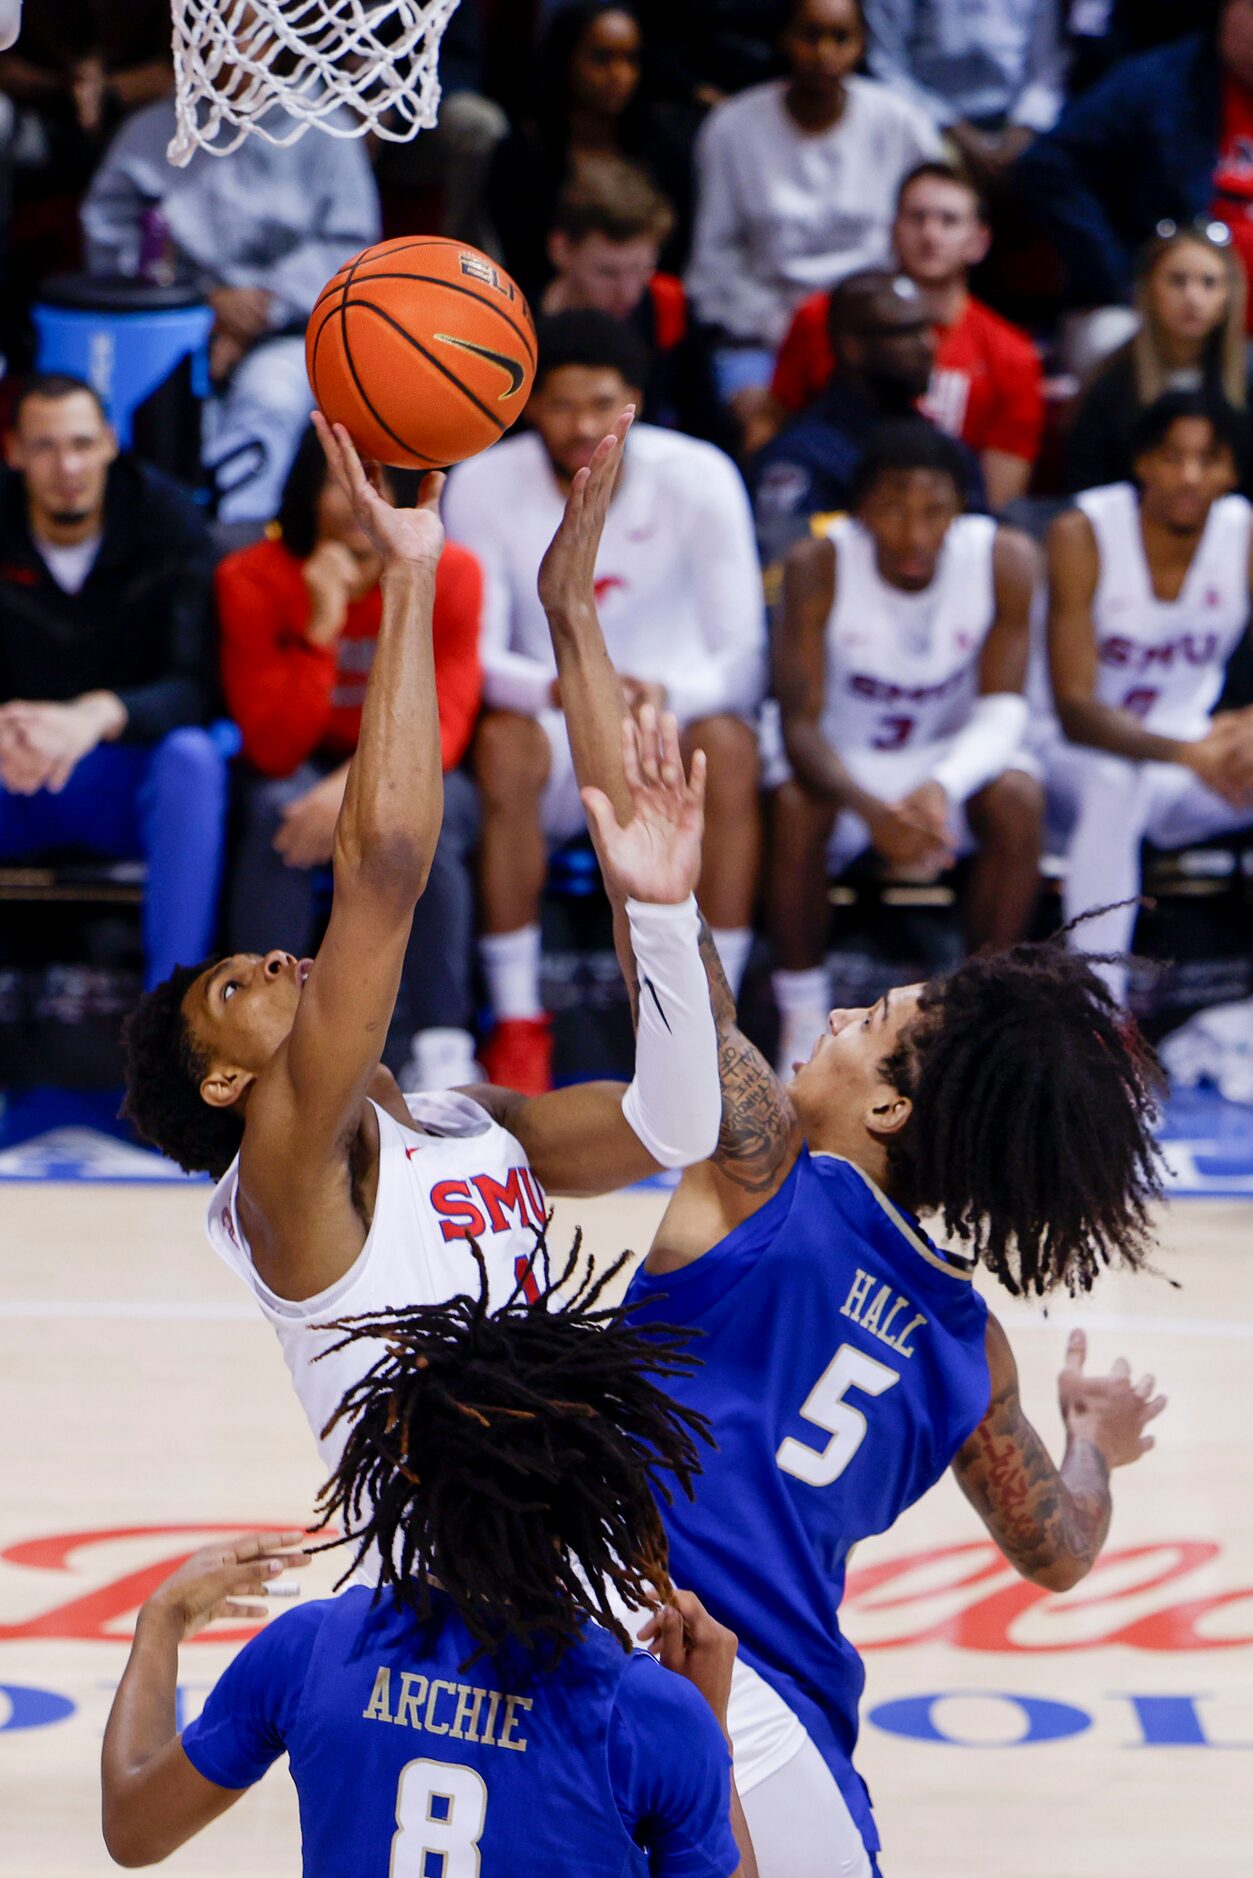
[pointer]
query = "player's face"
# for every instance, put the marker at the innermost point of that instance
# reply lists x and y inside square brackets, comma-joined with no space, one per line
[63,447]
[574,408]
[822,44]
[841,1098]
[1185,475]
[611,276]
[239,1012]
[909,512]
[605,68]
[1188,291]
[938,233]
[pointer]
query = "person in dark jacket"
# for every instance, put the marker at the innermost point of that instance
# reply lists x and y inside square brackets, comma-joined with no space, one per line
[106,584]
[1141,145]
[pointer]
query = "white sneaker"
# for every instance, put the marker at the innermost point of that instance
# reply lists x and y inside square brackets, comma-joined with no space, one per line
[441,1059]
[799,1031]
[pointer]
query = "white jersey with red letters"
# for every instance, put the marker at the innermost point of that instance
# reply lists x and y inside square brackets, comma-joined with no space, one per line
[465,1176]
[902,669]
[1164,660]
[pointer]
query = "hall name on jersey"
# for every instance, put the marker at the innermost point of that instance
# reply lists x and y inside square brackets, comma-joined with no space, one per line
[460,1710]
[481,1204]
[878,1313]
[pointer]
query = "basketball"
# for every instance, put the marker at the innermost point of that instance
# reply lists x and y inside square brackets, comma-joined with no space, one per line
[423,349]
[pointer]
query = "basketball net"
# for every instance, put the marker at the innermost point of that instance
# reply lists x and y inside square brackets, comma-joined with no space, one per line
[272,68]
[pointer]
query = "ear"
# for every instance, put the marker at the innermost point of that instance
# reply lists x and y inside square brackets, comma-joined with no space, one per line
[887,1112]
[223,1088]
[560,250]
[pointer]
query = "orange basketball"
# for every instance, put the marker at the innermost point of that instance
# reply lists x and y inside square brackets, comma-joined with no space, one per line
[423,349]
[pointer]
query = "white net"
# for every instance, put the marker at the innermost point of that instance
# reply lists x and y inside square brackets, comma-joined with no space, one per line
[272,68]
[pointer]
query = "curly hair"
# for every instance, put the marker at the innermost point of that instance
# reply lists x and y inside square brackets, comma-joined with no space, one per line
[514,1457]
[1034,1102]
[164,1071]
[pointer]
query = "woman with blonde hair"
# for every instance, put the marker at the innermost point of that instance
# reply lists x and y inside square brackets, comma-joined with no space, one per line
[1190,297]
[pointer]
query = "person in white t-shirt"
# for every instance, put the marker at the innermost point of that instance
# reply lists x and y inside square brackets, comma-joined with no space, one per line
[900,662]
[796,187]
[1149,588]
[680,595]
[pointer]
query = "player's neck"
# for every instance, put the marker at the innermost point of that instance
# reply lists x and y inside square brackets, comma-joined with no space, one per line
[1167,546]
[945,300]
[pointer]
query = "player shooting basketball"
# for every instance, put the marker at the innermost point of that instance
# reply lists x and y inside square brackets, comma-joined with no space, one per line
[846,1359]
[335,1192]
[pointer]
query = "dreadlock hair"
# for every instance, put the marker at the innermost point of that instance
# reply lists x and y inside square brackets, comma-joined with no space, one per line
[514,1457]
[1032,1126]
[164,1071]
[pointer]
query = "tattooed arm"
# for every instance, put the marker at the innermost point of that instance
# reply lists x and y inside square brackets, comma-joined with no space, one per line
[1051,1522]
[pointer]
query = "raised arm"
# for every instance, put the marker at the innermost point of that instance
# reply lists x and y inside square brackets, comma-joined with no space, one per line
[307,1102]
[1051,1522]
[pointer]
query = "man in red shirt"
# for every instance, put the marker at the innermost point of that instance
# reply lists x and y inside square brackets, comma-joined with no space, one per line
[985,387]
[300,614]
[1233,173]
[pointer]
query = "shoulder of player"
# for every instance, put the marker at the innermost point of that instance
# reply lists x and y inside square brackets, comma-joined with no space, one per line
[1071,536]
[810,566]
[674,453]
[1016,561]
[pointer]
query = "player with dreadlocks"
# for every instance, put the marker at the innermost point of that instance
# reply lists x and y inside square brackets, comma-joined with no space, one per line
[846,1358]
[481,1709]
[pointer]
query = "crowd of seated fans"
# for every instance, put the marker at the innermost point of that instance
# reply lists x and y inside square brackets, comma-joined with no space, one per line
[932,530]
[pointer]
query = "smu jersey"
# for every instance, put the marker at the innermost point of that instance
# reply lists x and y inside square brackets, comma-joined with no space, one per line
[465,1176]
[902,669]
[842,1366]
[409,1760]
[1164,660]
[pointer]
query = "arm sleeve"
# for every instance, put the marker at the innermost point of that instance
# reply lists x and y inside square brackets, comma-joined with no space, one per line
[727,580]
[247,1721]
[670,1769]
[278,685]
[345,220]
[985,747]
[184,691]
[674,1103]
[512,681]
[720,279]
[458,672]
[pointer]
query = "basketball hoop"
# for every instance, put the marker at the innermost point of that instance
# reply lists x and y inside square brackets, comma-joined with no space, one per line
[272,68]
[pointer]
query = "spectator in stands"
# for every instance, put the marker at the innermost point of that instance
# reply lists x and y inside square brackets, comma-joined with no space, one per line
[79,67]
[1190,297]
[796,183]
[1164,135]
[106,603]
[606,240]
[899,666]
[589,104]
[1149,589]
[300,614]
[986,382]
[263,229]
[882,340]
[680,595]
[990,76]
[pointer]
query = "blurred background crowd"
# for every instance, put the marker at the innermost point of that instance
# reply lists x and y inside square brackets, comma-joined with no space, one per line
[932,533]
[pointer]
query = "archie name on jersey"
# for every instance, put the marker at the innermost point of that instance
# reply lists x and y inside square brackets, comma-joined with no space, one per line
[877,1314]
[459,1710]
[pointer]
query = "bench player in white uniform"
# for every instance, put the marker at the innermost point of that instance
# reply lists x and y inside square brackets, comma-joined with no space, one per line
[337,1194]
[1149,597]
[900,659]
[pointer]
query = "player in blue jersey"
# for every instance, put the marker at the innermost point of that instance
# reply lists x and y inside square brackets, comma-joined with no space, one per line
[846,1359]
[483,1712]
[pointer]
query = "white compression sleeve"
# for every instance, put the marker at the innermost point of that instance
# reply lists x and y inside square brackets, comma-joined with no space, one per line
[985,746]
[674,1103]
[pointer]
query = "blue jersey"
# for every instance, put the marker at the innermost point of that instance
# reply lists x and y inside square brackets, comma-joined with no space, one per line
[842,1366]
[410,1764]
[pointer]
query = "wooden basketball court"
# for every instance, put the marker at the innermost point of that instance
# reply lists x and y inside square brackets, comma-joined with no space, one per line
[1008,1733]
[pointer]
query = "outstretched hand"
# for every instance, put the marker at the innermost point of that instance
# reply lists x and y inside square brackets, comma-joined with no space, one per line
[567,573]
[1110,1411]
[226,1580]
[415,535]
[657,855]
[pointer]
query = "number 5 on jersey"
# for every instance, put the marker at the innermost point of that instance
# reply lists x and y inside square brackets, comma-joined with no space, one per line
[825,1406]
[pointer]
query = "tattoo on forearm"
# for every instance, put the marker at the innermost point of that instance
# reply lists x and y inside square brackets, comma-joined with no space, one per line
[758,1123]
[1041,1516]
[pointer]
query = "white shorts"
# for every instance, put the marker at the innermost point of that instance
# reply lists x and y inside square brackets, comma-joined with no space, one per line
[561,812]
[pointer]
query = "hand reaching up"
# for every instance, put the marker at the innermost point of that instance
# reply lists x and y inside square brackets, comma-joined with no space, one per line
[415,535]
[1110,1411]
[567,573]
[657,855]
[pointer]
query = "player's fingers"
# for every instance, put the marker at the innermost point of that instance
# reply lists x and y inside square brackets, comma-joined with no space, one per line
[351,463]
[432,490]
[259,1544]
[649,752]
[1145,1386]
[631,754]
[1120,1370]
[1154,1408]
[670,754]
[624,423]
[697,780]
[232,1608]
[1076,1351]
